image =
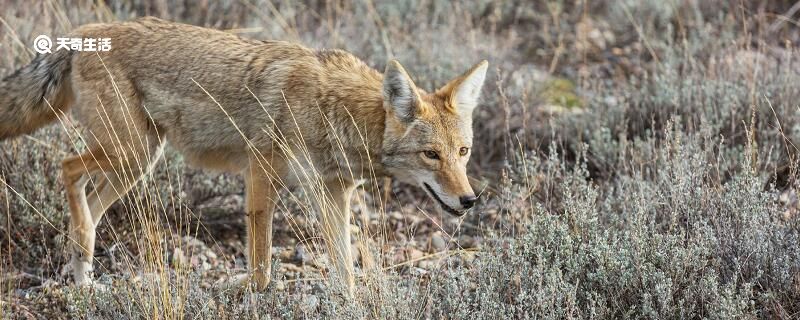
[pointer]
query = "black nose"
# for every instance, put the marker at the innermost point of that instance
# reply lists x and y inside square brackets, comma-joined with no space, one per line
[468,201]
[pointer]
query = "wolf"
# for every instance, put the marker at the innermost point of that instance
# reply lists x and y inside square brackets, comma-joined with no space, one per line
[281,114]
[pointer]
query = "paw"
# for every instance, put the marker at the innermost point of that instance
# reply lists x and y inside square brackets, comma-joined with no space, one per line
[244,281]
[97,287]
[235,282]
[81,272]
[90,285]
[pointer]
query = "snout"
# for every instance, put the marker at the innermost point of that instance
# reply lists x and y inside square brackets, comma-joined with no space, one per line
[455,205]
[468,201]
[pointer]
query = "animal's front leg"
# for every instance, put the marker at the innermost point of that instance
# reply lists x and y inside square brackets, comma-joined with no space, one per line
[335,217]
[261,198]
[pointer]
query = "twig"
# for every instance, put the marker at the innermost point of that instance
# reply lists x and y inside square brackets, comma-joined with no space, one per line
[777,24]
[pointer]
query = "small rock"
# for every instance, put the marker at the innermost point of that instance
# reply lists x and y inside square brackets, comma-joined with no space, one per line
[427,264]
[437,242]
[211,255]
[465,242]
[318,288]
[418,271]
[414,254]
[310,303]
[397,257]
[395,215]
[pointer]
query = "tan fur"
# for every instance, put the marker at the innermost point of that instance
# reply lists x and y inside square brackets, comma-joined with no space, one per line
[279,113]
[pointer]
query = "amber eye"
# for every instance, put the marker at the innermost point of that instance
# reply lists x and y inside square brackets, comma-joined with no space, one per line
[463,151]
[430,154]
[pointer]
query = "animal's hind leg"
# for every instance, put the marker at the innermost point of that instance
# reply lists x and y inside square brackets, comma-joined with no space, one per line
[124,144]
[115,183]
[76,171]
[116,176]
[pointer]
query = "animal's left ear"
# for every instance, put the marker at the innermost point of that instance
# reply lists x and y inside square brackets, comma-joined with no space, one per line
[463,92]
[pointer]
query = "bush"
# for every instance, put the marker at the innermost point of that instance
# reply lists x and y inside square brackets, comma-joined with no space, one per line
[637,159]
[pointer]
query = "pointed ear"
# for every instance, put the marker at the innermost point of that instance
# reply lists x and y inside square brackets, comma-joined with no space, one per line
[399,92]
[465,90]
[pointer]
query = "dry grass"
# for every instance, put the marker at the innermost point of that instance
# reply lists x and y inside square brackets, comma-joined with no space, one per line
[636,159]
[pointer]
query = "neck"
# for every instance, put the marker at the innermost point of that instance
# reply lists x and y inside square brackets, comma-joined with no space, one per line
[354,101]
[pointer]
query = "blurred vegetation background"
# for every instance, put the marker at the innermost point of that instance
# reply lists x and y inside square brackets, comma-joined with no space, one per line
[637,159]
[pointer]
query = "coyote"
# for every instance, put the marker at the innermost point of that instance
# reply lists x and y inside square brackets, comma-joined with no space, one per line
[278,113]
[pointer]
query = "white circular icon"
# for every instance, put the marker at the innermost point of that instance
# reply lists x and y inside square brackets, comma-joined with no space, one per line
[42,44]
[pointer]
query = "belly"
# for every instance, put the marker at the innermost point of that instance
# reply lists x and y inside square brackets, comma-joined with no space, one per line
[216,159]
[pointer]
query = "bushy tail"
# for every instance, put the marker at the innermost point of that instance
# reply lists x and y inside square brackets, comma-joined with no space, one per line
[32,96]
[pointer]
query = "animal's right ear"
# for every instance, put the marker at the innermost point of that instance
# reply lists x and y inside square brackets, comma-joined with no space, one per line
[399,93]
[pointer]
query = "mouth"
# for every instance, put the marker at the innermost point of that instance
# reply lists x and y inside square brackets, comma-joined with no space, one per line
[447,208]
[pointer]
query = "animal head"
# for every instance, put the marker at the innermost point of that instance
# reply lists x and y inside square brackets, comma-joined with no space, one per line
[428,137]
